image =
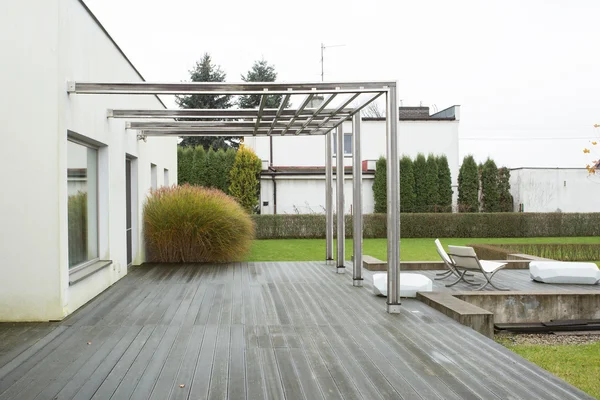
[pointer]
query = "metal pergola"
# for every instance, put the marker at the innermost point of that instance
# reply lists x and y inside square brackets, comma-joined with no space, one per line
[342,101]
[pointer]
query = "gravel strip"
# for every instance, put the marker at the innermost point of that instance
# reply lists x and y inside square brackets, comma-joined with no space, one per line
[548,339]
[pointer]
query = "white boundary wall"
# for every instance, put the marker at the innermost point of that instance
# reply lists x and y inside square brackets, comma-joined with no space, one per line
[46,44]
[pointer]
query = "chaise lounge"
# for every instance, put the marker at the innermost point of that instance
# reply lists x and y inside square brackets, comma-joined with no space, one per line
[464,259]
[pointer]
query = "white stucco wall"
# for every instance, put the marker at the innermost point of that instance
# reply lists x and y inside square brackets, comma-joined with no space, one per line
[437,137]
[50,43]
[555,189]
[306,194]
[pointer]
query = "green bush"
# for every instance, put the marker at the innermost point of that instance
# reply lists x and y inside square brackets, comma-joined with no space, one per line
[185,162]
[433,225]
[505,198]
[380,186]
[245,182]
[489,187]
[421,190]
[444,185]
[194,224]
[407,185]
[468,186]
[431,184]
[199,167]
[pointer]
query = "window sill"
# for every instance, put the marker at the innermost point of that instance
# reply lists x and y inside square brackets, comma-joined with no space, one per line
[81,274]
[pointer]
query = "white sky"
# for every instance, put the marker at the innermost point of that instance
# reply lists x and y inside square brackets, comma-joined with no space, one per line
[522,70]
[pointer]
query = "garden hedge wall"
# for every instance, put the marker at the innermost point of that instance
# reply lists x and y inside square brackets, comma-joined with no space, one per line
[443,225]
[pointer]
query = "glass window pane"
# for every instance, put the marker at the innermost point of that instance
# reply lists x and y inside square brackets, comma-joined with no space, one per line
[348,144]
[82,188]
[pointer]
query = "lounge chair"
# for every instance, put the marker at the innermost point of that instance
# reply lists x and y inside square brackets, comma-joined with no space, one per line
[465,260]
[451,270]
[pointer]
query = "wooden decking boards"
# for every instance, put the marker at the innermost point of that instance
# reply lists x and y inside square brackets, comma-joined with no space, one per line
[262,331]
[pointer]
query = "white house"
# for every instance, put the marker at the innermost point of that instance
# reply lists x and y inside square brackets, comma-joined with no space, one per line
[293,177]
[74,181]
[554,189]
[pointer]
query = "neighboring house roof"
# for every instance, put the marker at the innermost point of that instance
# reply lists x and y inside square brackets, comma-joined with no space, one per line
[421,114]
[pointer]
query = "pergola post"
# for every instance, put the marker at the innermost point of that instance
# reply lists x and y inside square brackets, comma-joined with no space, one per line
[357,224]
[393,203]
[328,198]
[339,209]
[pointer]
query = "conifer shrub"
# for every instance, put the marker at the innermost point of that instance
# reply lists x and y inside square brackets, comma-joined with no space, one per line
[489,187]
[380,186]
[245,182]
[444,185]
[195,224]
[185,161]
[468,186]
[407,185]
[421,188]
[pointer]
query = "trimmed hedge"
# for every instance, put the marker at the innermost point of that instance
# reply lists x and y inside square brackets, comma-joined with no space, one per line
[444,225]
[554,251]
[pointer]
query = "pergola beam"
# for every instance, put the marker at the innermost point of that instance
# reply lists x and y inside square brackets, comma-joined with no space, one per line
[302,107]
[200,113]
[261,107]
[237,132]
[216,88]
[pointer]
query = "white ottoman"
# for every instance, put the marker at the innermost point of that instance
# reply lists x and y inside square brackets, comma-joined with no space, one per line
[582,273]
[410,284]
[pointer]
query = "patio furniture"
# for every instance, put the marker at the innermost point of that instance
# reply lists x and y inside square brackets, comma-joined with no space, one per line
[465,260]
[410,284]
[451,269]
[582,273]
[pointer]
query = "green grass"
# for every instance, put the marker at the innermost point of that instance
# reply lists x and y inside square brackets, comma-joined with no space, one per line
[578,364]
[410,249]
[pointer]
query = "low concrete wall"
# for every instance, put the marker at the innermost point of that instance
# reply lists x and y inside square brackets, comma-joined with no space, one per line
[536,307]
[465,313]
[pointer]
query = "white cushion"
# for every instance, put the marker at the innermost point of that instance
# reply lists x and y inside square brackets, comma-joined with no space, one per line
[564,272]
[410,284]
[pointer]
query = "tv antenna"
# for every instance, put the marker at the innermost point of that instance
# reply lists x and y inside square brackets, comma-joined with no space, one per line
[323,47]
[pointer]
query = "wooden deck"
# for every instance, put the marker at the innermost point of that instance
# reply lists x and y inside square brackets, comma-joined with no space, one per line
[261,331]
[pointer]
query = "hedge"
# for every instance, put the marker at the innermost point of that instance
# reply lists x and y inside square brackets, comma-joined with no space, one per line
[554,251]
[444,225]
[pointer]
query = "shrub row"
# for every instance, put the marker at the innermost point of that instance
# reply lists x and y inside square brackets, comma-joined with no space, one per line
[554,251]
[446,225]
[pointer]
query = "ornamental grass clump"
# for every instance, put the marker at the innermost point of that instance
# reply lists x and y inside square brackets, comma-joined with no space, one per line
[195,224]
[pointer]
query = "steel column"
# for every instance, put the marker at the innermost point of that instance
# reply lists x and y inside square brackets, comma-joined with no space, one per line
[329,197]
[339,209]
[357,224]
[393,203]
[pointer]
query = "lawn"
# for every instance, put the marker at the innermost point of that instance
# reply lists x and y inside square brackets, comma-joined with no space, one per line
[578,364]
[410,249]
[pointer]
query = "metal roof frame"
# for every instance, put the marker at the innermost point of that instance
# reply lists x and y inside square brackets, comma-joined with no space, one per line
[325,119]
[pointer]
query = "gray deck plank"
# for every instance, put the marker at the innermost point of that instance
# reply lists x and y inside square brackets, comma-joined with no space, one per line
[265,331]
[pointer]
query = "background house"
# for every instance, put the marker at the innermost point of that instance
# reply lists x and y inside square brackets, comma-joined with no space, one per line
[293,177]
[74,181]
[554,189]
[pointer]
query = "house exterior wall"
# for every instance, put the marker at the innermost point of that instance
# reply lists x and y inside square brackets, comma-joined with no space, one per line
[53,42]
[306,194]
[555,189]
[437,137]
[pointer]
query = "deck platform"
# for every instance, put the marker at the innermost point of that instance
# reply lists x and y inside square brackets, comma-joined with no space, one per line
[294,330]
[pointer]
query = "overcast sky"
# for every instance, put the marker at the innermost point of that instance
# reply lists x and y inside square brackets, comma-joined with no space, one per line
[523,71]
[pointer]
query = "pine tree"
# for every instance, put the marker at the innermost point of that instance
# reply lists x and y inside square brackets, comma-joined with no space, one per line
[506,199]
[261,72]
[431,179]
[420,168]
[444,184]
[489,187]
[185,162]
[206,71]
[245,178]
[407,185]
[468,186]
[380,186]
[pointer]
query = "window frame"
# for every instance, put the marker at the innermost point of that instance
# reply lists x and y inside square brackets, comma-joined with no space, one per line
[83,143]
[334,148]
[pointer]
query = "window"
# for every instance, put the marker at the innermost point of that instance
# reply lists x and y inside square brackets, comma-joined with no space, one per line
[153,176]
[166,181]
[82,189]
[347,144]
